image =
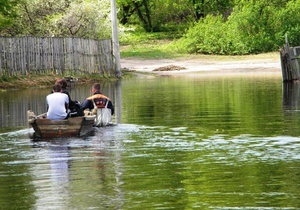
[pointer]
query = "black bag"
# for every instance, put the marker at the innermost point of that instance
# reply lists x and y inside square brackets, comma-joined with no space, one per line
[76,110]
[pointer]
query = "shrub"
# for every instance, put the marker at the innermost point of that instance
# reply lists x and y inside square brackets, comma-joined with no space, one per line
[252,27]
[208,36]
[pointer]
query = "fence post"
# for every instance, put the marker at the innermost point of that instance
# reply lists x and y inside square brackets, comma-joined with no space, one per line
[289,62]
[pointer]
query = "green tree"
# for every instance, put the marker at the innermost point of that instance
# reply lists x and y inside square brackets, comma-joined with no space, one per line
[82,18]
[7,12]
[155,15]
[252,27]
[202,8]
[288,22]
[88,19]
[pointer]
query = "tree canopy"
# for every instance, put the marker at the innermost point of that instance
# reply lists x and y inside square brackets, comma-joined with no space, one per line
[206,26]
[252,27]
[80,18]
[7,12]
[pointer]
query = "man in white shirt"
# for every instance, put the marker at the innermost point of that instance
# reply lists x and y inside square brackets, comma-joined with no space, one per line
[58,103]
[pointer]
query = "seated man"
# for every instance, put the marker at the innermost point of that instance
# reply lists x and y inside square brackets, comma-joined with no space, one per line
[58,103]
[101,103]
[74,106]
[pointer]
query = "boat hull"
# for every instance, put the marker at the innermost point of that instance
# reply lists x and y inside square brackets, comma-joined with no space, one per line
[74,126]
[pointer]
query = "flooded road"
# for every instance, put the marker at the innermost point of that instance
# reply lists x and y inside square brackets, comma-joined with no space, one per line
[179,143]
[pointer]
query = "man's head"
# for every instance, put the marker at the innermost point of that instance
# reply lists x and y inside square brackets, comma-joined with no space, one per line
[56,87]
[62,82]
[96,87]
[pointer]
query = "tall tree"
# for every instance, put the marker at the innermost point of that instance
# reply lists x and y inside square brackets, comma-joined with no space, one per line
[152,15]
[141,9]
[204,7]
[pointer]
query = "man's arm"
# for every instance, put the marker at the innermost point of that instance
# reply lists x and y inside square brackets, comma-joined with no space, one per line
[87,104]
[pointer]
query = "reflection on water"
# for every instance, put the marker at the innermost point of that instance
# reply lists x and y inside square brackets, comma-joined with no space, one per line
[290,98]
[180,143]
[14,104]
[51,182]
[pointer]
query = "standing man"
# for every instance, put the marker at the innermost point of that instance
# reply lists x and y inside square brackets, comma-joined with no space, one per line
[58,104]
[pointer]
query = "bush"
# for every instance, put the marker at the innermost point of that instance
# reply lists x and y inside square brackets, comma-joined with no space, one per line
[289,23]
[252,27]
[208,36]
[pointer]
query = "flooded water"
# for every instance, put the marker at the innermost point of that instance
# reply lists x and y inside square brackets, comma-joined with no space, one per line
[215,142]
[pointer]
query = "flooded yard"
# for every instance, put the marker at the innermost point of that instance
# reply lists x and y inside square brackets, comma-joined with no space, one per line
[181,142]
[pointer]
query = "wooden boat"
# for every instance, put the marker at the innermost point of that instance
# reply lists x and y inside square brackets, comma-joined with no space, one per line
[74,126]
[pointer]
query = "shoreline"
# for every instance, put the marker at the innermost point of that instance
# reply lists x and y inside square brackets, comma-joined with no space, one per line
[197,65]
[182,66]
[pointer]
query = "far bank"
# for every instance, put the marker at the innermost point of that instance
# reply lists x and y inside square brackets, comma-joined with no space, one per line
[206,64]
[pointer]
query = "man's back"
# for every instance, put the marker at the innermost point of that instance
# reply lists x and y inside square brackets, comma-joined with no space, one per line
[57,106]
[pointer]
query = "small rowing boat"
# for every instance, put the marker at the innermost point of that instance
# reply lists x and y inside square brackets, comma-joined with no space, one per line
[73,126]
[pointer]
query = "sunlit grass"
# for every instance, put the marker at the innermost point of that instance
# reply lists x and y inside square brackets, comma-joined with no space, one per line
[163,45]
[150,51]
[143,45]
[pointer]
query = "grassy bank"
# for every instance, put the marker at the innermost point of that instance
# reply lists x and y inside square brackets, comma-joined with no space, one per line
[40,81]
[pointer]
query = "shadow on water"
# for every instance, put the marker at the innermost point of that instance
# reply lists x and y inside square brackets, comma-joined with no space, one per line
[291,106]
[290,98]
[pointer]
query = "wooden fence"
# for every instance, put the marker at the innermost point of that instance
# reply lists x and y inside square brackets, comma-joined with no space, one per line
[26,55]
[289,57]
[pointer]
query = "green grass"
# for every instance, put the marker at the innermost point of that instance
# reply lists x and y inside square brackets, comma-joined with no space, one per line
[144,45]
[162,45]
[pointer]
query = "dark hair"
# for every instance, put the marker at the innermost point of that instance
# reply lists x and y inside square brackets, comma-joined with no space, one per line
[97,86]
[56,87]
[62,82]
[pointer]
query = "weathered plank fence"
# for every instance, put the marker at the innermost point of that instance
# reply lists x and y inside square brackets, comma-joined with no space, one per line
[289,57]
[26,55]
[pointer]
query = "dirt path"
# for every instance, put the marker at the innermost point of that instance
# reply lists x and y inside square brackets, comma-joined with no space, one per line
[207,66]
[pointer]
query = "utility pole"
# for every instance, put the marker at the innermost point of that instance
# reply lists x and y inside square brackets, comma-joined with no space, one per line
[115,38]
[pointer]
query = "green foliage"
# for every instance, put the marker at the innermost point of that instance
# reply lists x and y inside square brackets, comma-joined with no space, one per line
[154,16]
[252,27]
[209,35]
[4,78]
[7,12]
[208,7]
[82,18]
[148,45]
[207,26]
[288,22]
